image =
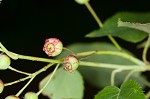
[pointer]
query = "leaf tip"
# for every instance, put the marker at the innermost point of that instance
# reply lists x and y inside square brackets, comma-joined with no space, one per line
[88,35]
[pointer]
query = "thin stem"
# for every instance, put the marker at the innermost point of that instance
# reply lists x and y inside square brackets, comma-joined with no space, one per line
[69,50]
[18,71]
[89,7]
[30,76]
[7,52]
[145,49]
[114,42]
[145,82]
[17,81]
[121,54]
[129,74]
[25,86]
[148,95]
[113,66]
[38,59]
[18,56]
[113,76]
[39,92]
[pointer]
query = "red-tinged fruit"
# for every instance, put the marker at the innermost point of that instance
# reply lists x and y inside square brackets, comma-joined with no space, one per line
[31,95]
[1,86]
[4,61]
[53,47]
[70,63]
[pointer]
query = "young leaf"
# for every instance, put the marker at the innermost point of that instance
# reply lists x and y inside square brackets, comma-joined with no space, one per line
[129,90]
[64,85]
[128,34]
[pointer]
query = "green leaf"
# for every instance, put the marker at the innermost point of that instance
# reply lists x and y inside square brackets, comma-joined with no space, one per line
[129,90]
[64,85]
[100,77]
[143,27]
[128,34]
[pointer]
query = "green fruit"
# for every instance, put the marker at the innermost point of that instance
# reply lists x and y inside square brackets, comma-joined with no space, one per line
[1,86]
[31,95]
[12,97]
[82,1]
[4,61]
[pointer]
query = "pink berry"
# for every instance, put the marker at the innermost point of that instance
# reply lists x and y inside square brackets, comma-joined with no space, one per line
[1,86]
[70,63]
[53,47]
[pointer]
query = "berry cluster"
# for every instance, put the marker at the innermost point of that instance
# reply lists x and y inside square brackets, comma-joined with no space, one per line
[53,47]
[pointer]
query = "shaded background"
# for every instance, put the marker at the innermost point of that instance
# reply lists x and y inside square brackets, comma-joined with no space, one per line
[25,24]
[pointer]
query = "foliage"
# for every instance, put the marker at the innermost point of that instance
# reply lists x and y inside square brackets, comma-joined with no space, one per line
[128,90]
[105,65]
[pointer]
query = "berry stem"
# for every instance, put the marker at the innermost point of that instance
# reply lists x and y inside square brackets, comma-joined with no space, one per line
[7,52]
[25,86]
[113,66]
[89,7]
[148,95]
[18,71]
[39,92]
[18,56]
[38,59]
[121,54]
[146,49]
[30,76]
[129,74]
[113,74]
[17,81]
[69,50]
[117,68]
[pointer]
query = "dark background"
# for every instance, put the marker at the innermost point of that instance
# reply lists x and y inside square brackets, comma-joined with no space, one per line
[25,24]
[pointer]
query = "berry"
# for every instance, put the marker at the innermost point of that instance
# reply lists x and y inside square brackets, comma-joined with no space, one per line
[1,86]
[53,47]
[82,1]
[12,97]
[31,95]
[70,63]
[4,61]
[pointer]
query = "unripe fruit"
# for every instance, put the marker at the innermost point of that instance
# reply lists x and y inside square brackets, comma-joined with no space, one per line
[82,1]
[12,97]
[70,63]
[4,61]
[53,47]
[31,95]
[1,86]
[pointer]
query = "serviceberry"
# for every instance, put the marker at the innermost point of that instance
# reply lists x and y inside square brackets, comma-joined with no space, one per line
[82,1]
[31,95]
[70,63]
[4,61]
[12,97]
[53,47]
[1,86]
